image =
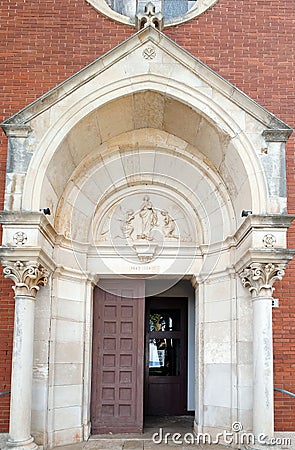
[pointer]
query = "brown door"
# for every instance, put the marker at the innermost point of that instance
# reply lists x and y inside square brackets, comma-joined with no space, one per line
[166,356]
[118,357]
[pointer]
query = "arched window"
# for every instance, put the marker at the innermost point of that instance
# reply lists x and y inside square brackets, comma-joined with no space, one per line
[170,9]
[174,12]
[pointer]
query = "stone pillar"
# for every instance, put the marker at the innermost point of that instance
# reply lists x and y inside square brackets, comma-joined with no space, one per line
[198,286]
[27,276]
[259,279]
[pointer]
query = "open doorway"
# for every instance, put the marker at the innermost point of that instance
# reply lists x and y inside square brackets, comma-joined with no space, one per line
[175,301]
[166,356]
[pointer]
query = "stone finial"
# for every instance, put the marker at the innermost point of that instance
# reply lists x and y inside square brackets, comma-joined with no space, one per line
[27,276]
[260,277]
[149,18]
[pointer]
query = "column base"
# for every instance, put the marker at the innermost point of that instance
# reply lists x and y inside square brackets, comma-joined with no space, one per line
[27,444]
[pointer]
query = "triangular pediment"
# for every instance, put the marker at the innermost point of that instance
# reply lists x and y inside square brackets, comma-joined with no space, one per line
[146,44]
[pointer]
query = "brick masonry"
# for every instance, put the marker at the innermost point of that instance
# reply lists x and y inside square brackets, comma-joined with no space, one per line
[250,43]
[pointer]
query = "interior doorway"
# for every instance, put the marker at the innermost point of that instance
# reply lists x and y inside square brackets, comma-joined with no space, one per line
[166,356]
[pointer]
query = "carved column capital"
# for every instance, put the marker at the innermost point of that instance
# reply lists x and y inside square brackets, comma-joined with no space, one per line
[260,277]
[28,276]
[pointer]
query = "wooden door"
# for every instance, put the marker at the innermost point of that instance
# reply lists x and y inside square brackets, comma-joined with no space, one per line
[118,357]
[166,356]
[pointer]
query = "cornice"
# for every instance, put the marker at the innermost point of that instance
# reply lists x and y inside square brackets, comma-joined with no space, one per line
[26,254]
[26,219]
[277,135]
[15,130]
[256,221]
[264,256]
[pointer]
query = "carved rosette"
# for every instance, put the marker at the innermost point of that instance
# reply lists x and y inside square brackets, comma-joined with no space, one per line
[260,277]
[28,276]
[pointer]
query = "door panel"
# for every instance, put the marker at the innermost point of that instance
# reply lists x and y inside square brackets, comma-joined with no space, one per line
[166,356]
[118,357]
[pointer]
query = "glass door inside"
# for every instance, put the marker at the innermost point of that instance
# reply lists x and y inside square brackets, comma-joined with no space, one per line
[166,356]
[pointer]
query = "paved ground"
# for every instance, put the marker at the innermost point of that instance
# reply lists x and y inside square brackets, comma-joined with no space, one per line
[157,435]
[181,425]
[172,425]
[140,445]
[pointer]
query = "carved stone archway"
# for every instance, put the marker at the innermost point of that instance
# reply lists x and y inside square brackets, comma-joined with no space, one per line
[149,145]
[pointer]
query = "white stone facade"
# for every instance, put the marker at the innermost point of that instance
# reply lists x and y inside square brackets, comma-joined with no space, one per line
[146,159]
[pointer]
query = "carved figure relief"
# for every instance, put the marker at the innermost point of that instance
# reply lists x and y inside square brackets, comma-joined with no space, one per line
[146,223]
[127,225]
[169,225]
[147,219]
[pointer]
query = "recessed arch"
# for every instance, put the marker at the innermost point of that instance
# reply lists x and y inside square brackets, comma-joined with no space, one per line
[168,168]
[201,107]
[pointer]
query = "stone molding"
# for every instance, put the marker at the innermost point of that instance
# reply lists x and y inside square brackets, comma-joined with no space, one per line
[28,276]
[277,135]
[260,277]
[16,130]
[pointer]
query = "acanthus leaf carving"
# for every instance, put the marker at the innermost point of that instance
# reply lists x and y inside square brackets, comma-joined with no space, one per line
[259,278]
[28,276]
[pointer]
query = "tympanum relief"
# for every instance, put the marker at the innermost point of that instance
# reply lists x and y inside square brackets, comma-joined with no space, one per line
[147,224]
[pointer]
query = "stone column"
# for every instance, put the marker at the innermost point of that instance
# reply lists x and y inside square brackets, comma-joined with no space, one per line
[27,276]
[259,279]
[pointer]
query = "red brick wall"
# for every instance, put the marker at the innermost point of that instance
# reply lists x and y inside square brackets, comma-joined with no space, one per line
[6,331]
[250,43]
[284,351]
[42,44]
